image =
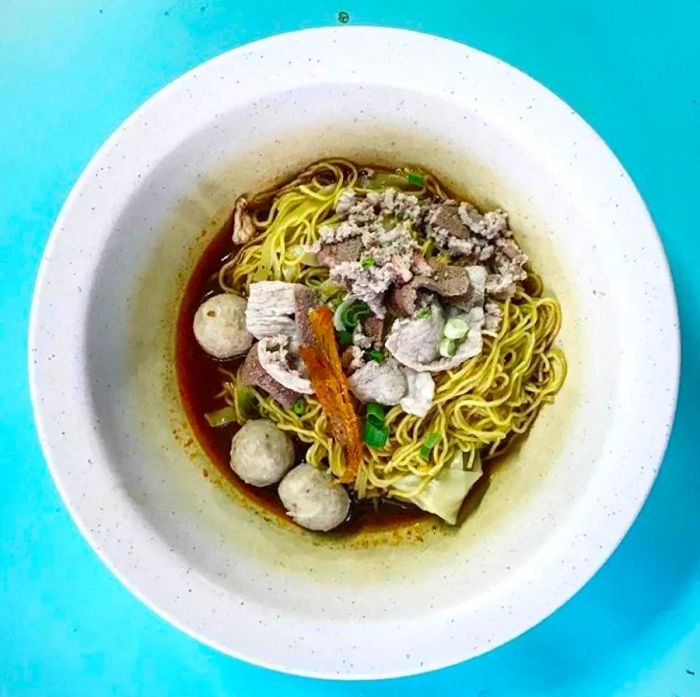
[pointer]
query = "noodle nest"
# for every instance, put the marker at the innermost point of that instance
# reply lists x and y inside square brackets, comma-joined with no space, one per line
[479,409]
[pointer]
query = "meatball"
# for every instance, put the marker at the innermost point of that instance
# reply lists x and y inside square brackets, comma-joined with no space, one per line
[313,499]
[219,326]
[261,453]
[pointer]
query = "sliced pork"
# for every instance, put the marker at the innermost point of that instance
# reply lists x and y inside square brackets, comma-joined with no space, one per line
[243,226]
[271,305]
[305,300]
[277,358]
[384,383]
[252,373]
[416,342]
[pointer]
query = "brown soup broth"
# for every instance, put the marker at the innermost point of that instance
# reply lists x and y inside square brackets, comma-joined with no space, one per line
[200,381]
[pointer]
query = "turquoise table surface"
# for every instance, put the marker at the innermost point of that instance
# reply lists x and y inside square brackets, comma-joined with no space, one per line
[71,71]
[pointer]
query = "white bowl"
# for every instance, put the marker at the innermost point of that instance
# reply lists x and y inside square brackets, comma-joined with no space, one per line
[101,354]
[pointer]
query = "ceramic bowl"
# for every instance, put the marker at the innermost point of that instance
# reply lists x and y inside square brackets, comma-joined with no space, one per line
[102,347]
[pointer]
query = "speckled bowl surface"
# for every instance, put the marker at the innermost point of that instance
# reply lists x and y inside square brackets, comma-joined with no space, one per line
[102,347]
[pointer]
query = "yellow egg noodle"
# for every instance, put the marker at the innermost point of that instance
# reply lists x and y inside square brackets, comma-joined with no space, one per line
[479,408]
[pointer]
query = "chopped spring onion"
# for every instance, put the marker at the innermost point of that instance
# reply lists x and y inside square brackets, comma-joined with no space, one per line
[447,348]
[299,406]
[455,328]
[328,289]
[340,310]
[416,179]
[375,413]
[309,259]
[375,436]
[368,263]
[221,417]
[345,338]
[382,180]
[246,400]
[428,444]
[376,355]
[353,315]
[424,313]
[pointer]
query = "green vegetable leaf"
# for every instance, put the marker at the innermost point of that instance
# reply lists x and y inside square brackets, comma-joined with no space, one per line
[416,179]
[368,262]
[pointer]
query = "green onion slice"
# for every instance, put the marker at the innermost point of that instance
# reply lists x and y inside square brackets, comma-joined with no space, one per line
[328,289]
[375,413]
[448,348]
[354,314]
[424,313]
[375,436]
[455,328]
[345,338]
[299,406]
[376,355]
[416,179]
[221,417]
[428,444]
[247,402]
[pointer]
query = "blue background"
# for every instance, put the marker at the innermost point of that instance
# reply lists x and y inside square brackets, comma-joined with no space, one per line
[71,71]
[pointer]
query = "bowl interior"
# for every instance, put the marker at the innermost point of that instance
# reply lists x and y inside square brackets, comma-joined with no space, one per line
[188,543]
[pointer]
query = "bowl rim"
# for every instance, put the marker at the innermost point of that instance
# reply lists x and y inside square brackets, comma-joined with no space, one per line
[293,41]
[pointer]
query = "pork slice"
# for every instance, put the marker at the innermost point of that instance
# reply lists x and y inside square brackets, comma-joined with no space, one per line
[269,309]
[384,382]
[252,373]
[419,394]
[277,357]
[305,300]
[352,359]
[374,329]
[446,280]
[446,217]
[403,299]
[415,342]
[420,265]
[332,254]
[475,295]
[243,226]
